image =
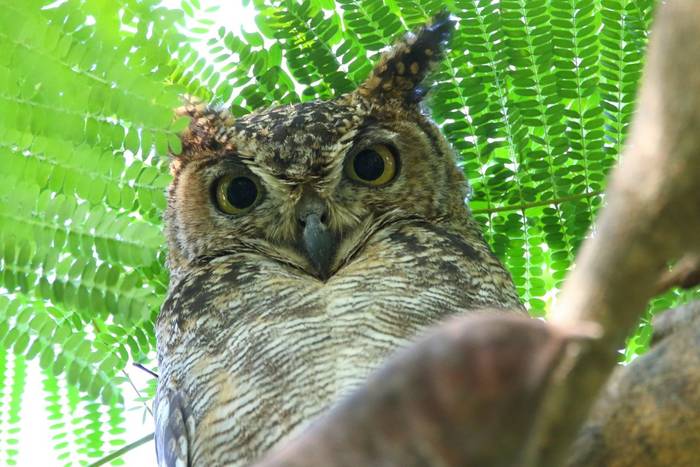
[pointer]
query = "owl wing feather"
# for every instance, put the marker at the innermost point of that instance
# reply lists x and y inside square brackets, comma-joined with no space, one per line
[174,430]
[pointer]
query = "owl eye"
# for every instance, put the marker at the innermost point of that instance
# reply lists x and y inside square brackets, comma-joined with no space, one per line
[374,166]
[236,194]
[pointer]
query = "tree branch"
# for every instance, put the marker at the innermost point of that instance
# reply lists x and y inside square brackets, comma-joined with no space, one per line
[649,413]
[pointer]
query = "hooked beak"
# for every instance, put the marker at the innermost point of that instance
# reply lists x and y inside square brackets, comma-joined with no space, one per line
[317,240]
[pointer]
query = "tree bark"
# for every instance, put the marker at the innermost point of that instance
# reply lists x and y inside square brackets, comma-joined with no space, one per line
[649,412]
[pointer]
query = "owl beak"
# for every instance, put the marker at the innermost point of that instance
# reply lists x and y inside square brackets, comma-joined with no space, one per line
[317,241]
[318,244]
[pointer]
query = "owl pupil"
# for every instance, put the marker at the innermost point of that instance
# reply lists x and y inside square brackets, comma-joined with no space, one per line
[368,165]
[241,192]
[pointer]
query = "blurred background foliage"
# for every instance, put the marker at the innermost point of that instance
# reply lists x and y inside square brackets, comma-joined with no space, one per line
[535,95]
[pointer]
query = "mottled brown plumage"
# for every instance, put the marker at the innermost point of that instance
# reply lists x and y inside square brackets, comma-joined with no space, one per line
[276,312]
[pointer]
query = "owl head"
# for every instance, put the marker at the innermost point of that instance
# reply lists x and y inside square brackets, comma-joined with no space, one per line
[308,184]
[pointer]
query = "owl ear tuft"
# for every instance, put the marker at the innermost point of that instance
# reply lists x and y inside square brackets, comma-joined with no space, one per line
[402,69]
[208,130]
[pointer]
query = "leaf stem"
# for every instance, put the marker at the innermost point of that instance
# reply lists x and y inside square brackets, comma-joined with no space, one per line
[535,204]
[121,451]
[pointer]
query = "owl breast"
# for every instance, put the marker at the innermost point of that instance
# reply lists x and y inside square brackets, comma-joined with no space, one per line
[269,348]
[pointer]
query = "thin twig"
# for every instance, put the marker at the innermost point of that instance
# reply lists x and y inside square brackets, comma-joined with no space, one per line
[121,451]
[150,372]
[128,378]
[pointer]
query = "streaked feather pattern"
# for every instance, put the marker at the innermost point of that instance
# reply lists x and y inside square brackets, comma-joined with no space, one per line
[254,360]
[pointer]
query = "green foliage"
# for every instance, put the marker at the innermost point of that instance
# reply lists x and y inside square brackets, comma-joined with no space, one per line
[536,97]
[85,104]
[13,370]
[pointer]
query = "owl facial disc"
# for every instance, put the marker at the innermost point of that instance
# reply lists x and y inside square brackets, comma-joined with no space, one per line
[317,241]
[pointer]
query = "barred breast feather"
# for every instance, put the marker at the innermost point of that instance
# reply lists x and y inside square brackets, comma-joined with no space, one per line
[246,368]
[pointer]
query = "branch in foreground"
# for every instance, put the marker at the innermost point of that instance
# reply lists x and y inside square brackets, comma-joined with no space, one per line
[671,322]
[649,412]
[465,395]
[471,394]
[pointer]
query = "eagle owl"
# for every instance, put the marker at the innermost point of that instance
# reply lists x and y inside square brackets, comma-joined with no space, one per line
[306,243]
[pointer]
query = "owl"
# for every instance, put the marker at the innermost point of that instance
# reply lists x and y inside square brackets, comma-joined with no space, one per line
[306,243]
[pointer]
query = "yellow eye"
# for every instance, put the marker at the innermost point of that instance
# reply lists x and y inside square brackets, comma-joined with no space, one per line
[236,194]
[374,166]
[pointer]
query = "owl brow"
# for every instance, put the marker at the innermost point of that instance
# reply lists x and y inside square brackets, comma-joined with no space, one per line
[237,159]
[205,163]
[375,133]
[228,161]
[368,124]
